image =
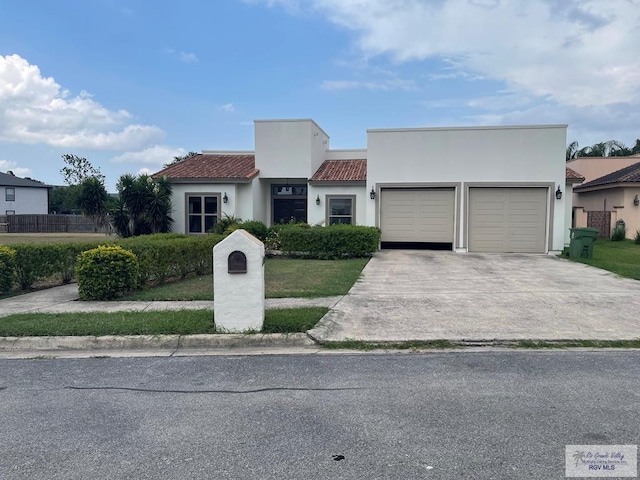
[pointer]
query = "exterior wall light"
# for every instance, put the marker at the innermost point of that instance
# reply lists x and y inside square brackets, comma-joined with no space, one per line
[225,199]
[372,194]
[559,193]
[318,200]
[636,202]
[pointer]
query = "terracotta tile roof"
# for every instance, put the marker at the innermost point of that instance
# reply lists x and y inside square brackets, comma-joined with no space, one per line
[212,166]
[630,174]
[341,171]
[572,174]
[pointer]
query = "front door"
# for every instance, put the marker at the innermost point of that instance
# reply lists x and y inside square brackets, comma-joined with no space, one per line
[289,203]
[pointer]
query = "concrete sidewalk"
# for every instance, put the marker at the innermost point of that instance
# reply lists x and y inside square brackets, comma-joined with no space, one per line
[65,299]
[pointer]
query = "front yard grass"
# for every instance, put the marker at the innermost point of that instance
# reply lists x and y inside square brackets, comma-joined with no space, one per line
[182,322]
[621,257]
[284,277]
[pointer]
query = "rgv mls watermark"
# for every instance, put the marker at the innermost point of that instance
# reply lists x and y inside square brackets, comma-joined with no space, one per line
[601,461]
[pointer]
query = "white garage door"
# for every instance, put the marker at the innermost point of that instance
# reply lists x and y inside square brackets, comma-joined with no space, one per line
[505,220]
[417,215]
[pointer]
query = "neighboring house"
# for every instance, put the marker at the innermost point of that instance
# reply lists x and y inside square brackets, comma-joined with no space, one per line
[477,189]
[20,196]
[612,197]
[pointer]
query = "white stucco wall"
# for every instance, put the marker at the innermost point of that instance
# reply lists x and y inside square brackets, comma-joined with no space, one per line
[289,148]
[532,155]
[27,201]
[346,154]
[178,201]
[317,214]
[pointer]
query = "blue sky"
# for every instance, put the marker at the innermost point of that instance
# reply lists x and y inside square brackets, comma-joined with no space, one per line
[130,84]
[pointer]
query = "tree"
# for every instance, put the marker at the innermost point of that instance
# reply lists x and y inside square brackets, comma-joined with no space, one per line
[179,159]
[94,201]
[144,206]
[78,169]
[65,199]
[610,148]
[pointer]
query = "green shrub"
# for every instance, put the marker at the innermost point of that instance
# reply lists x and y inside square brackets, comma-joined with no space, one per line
[106,272]
[223,224]
[7,268]
[256,228]
[619,233]
[335,241]
[164,256]
[636,239]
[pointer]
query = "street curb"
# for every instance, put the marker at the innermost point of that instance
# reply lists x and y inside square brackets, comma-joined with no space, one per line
[141,342]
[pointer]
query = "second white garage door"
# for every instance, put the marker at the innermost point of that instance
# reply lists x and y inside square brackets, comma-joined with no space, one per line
[417,215]
[507,220]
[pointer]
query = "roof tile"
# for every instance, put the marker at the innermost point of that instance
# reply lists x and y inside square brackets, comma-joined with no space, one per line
[630,174]
[212,166]
[572,174]
[341,171]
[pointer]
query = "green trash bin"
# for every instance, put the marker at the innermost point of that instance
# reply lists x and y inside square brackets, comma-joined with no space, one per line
[581,243]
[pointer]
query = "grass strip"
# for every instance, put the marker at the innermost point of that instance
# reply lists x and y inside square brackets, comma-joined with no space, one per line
[284,277]
[182,322]
[621,257]
[366,346]
[447,344]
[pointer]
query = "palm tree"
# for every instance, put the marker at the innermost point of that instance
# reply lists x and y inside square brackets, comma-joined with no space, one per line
[94,201]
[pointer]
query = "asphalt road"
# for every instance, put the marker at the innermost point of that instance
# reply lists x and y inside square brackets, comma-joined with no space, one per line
[437,415]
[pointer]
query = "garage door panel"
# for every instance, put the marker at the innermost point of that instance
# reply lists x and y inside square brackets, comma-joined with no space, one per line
[507,220]
[415,215]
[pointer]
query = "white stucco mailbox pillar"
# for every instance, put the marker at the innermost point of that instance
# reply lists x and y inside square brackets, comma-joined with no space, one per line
[238,282]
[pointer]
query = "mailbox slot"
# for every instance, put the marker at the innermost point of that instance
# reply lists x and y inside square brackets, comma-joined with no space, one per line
[237,262]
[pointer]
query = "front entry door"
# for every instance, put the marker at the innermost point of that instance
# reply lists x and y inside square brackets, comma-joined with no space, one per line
[286,209]
[289,203]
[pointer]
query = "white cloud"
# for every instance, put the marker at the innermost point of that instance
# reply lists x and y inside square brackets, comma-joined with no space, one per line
[157,155]
[36,109]
[6,165]
[574,52]
[188,57]
[145,171]
[227,107]
[185,57]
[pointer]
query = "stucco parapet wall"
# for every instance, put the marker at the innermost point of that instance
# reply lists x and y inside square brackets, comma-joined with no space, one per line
[346,154]
[448,129]
[293,120]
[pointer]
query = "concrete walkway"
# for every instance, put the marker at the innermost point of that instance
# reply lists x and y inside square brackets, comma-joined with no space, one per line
[427,295]
[65,299]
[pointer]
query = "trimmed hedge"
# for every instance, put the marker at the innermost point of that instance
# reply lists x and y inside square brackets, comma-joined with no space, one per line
[106,272]
[335,241]
[38,261]
[160,256]
[7,268]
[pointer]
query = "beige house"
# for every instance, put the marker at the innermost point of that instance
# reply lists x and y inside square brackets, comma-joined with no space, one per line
[458,188]
[609,195]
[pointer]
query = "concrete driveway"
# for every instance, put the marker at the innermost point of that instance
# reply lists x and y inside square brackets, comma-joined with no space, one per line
[427,295]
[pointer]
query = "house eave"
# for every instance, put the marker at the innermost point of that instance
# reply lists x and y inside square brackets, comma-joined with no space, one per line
[606,186]
[210,180]
[328,183]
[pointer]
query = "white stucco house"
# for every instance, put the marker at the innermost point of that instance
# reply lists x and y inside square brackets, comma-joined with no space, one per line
[20,196]
[468,189]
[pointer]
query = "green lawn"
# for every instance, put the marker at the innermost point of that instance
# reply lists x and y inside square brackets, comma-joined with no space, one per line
[183,322]
[284,277]
[622,257]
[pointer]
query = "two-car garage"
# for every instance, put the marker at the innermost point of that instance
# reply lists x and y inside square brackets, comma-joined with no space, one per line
[498,219]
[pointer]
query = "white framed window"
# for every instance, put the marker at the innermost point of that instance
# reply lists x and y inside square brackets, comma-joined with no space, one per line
[10,212]
[10,194]
[203,211]
[341,209]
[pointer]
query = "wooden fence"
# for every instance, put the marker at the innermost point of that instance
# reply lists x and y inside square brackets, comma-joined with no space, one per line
[48,224]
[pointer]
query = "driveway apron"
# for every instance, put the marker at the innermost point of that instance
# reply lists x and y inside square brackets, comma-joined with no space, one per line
[427,295]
